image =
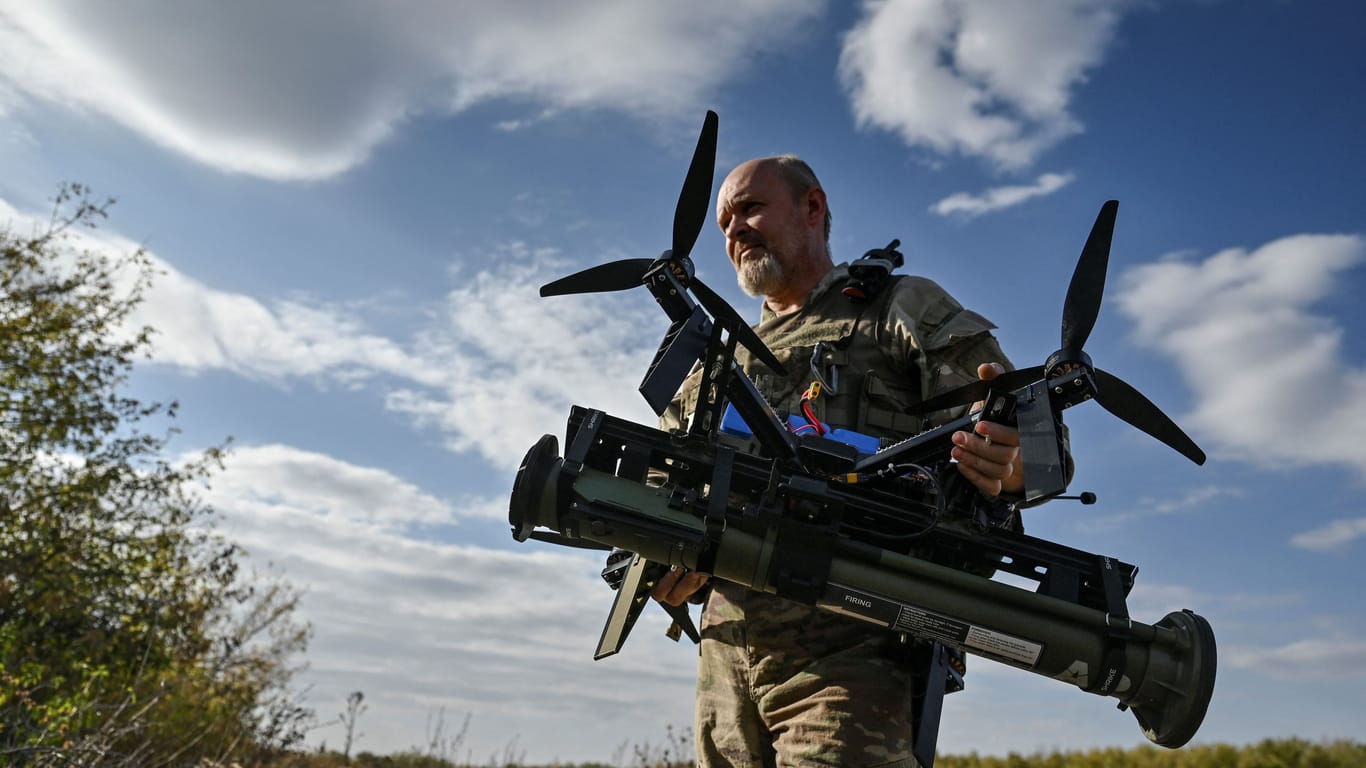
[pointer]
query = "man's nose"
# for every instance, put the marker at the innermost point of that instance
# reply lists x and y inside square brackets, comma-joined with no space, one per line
[735,227]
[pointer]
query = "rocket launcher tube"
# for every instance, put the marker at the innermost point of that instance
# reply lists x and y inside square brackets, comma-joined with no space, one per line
[1165,672]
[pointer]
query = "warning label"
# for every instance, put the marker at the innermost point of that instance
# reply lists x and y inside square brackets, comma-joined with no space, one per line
[904,617]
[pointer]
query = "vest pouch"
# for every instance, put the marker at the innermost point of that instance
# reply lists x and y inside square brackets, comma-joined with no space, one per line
[882,409]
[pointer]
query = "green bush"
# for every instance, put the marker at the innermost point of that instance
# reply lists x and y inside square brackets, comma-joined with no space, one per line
[127,636]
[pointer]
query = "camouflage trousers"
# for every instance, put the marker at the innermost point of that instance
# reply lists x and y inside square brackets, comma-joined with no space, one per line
[785,685]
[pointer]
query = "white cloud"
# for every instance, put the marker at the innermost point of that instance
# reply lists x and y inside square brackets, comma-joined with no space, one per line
[423,624]
[1194,499]
[987,78]
[1335,536]
[514,361]
[282,91]
[1261,365]
[198,328]
[971,206]
[498,366]
[1311,659]
[496,369]
[1150,601]
[327,488]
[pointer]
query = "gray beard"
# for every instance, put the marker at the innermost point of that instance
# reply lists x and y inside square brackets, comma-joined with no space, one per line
[762,276]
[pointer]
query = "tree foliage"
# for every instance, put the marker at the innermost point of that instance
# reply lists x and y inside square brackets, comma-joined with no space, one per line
[127,634]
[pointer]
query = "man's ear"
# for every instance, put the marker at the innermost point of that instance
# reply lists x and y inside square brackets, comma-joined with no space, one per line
[815,206]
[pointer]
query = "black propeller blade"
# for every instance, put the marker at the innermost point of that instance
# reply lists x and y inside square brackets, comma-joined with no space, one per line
[977,390]
[612,276]
[694,200]
[1080,309]
[731,321]
[1082,305]
[1130,405]
[690,215]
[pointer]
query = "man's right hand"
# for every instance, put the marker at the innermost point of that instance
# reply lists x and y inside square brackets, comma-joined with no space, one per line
[677,585]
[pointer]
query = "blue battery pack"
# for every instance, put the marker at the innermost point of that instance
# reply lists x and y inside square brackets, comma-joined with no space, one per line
[733,424]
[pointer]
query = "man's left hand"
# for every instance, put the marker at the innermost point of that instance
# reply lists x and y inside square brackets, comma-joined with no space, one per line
[989,456]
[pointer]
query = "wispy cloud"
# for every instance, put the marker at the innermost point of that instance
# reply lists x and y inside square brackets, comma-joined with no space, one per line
[1241,328]
[1193,500]
[278,475]
[514,361]
[201,328]
[1335,536]
[287,93]
[198,328]
[496,367]
[420,623]
[978,77]
[1311,659]
[971,206]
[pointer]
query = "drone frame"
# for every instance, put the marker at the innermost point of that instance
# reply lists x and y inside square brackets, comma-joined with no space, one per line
[788,519]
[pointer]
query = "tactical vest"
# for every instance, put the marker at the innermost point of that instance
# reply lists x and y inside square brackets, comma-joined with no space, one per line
[838,342]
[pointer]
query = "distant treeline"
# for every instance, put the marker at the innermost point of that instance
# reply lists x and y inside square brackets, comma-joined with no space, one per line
[1272,753]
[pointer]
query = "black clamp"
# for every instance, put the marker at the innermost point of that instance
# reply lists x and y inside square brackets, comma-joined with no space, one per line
[1120,631]
[717,503]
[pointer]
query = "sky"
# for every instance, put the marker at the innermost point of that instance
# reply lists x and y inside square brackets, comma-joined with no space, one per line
[352,205]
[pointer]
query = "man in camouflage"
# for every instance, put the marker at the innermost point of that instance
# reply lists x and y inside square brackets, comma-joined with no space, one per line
[781,683]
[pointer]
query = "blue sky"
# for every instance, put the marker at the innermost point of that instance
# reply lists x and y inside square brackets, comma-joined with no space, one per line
[354,204]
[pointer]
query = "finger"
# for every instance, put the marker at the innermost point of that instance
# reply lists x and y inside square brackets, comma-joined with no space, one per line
[989,371]
[981,449]
[665,584]
[1006,449]
[994,434]
[677,585]
[980,465]
[989,487]
[993,468]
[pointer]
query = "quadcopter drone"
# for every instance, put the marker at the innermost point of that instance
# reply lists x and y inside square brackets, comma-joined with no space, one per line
[858,529]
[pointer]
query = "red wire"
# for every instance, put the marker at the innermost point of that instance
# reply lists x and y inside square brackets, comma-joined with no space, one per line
[811,417]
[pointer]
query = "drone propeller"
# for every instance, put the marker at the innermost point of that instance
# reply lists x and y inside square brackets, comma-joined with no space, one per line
[731,321]
[690,215]
[1079,312]
[612,276]
[1084,293]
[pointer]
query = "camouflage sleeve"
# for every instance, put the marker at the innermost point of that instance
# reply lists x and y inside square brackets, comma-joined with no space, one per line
[672,418]
[937,339]
[679,410]
[946,343]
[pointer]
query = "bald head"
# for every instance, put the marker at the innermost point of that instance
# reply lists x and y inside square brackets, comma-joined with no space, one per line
[773,213]
[800,178]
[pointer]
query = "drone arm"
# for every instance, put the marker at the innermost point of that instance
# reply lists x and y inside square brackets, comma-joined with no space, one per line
[777,441]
